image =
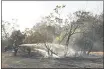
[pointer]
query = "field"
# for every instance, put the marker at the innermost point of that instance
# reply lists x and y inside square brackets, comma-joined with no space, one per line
[9,61]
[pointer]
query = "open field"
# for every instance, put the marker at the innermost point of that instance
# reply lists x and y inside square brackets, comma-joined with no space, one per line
[8,61]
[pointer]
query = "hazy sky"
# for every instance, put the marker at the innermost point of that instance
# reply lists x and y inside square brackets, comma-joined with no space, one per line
[29,13]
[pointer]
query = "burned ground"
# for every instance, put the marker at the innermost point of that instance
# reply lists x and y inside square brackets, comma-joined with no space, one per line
[9,61]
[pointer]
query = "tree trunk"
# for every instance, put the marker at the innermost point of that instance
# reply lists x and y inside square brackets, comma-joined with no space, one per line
[66,48]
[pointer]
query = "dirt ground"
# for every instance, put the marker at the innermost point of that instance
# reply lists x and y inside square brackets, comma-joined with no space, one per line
[9,61]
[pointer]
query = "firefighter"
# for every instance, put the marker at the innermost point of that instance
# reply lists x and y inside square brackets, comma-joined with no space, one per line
[29,51]
[5,48]
[15,47]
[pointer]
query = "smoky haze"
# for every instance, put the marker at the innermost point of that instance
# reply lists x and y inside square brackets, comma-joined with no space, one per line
[67,30]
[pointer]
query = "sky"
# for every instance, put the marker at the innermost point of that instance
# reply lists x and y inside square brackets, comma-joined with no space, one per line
[27,13]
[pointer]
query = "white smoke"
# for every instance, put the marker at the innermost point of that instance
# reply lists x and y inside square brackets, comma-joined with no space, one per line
[57,48]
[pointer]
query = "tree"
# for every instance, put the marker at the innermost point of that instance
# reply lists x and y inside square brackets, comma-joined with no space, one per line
[91,24]
[7,28]
[51,27]
[17,39]
[70,29]
[40,34]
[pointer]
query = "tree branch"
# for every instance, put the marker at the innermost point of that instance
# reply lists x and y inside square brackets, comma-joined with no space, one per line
[50,50]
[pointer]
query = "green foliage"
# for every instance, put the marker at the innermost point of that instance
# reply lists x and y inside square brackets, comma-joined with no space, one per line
[92,26]
[50,28]
[40,34]
[17,37]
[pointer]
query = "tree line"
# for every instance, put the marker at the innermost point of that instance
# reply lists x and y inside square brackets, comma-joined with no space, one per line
[83,29]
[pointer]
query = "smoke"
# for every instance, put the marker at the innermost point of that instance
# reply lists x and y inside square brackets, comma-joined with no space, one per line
[56,48]
[73,49]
